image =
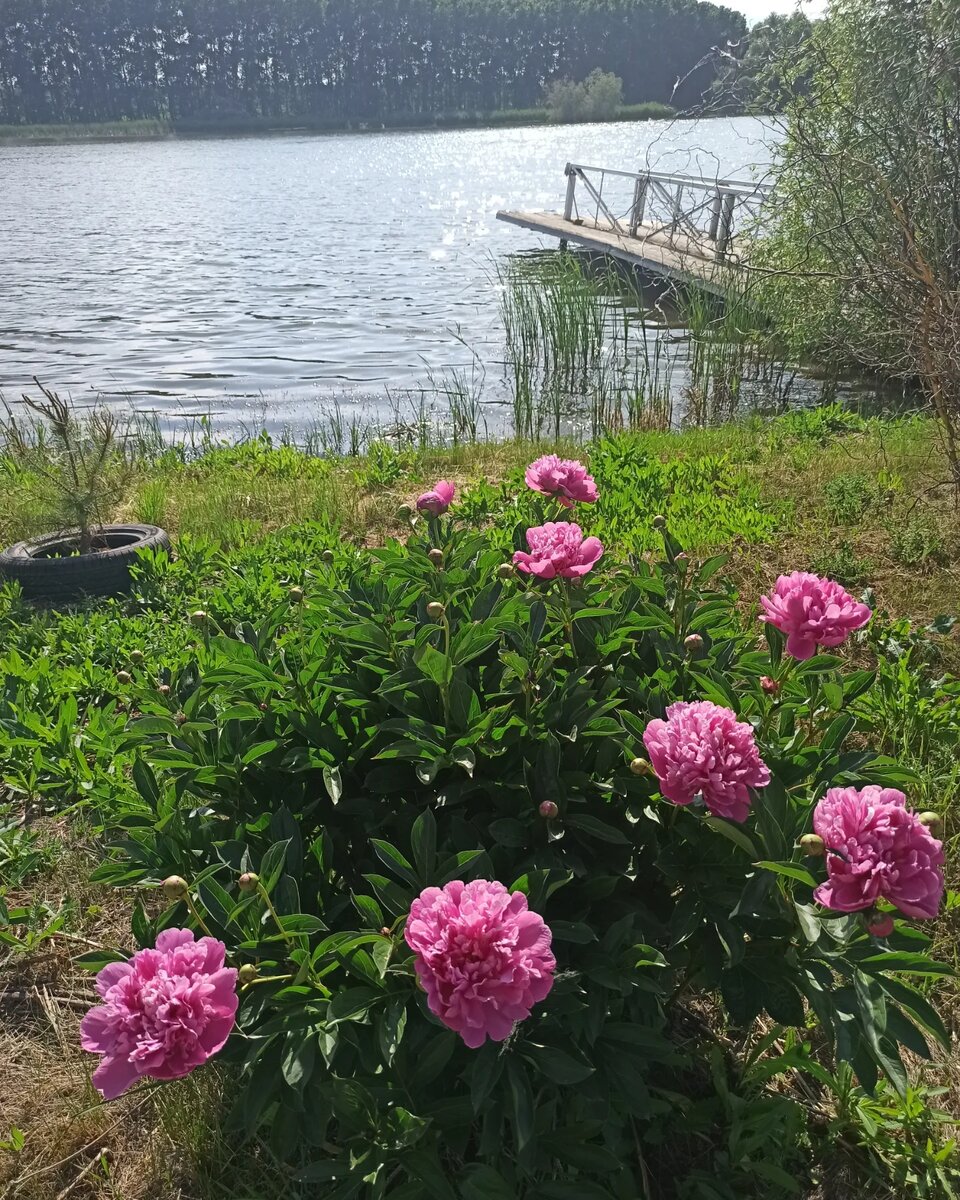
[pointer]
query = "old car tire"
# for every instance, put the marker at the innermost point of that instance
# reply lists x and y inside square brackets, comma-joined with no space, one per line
[49,568]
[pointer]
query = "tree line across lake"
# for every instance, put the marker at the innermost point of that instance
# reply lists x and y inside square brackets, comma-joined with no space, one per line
[341,60]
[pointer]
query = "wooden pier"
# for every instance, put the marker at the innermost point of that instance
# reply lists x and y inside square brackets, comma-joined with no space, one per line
[681,227]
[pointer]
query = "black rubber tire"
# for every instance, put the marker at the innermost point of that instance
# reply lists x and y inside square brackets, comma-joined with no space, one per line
[46,575]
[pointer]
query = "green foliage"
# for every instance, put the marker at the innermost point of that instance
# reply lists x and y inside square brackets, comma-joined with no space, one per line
[849,496]
[353,751]
[328,64]
[83,461]
[22,854]
[765,77]
[597,98]
[843,564]
[917,541]
[864,225]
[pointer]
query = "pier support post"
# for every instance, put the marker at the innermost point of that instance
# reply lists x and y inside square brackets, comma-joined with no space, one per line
[639,204]
[571,193]
[726,224]
[715,216]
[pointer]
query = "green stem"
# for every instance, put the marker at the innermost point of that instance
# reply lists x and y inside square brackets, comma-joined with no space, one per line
[289,938]
[188,900]
[566,607]
[445,686]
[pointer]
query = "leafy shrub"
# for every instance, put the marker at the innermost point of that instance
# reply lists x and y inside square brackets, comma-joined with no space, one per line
[818,424]
[849,496]
[423,717]
[918,542]
[598,98]
[844,565]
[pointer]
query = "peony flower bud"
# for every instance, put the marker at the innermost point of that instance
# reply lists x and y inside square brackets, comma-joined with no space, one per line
[548,810]
[248,881]
[640,766]
[175,887]
[180,718]
[933,821]
[505,571]
[693,643]
[124,678]
[137,656]
[199,617]
[879,925]
[659,522]
[436,557]
[247,974]
[813,846]
[435,610]
[682,559]
[296,595]
[404,512]
[327,556]
[770,686]
[164,689]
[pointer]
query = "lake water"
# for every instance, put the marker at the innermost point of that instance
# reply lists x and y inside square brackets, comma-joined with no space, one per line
[261,277]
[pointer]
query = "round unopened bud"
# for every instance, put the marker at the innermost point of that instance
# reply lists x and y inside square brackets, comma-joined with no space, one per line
[505,571]
[137,656]
[693,643]
[199,617]
[436,557]
[435,610]
[770,686]
[659,522]
[404,512]
[124,677]
[932,820]
[264,706]
[296,595]
[880,925]
[164,689]
[248,881]
[247,974]
[327,556]
[175,887]
[548,810]
[180,718]
[813,845]
[682,559]
[640,766]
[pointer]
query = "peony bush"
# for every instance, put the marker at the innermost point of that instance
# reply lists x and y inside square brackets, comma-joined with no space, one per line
[500,857]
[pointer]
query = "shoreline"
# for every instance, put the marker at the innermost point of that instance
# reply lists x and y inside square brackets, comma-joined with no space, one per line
[156,130]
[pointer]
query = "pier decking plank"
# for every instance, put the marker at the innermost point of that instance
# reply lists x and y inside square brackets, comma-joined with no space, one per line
[653,250]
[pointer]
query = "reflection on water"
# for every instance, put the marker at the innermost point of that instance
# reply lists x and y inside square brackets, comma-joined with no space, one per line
[259,276]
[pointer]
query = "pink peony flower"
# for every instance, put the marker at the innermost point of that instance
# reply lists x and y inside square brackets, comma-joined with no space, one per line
[702,749]
[438,499]
[482,957]
[877,849]
[558,549]
[564,478]
[812,612]
[165,1012]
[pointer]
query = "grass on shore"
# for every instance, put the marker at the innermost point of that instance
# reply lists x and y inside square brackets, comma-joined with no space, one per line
[150,130]
[858,499]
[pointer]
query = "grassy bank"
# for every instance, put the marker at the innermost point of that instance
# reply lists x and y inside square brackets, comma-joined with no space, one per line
[150,130]
[854,498]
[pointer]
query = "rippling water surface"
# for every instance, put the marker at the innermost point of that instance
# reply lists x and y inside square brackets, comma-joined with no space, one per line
[259,277]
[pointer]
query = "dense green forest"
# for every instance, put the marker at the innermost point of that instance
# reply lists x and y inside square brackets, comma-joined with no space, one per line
[182,60]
